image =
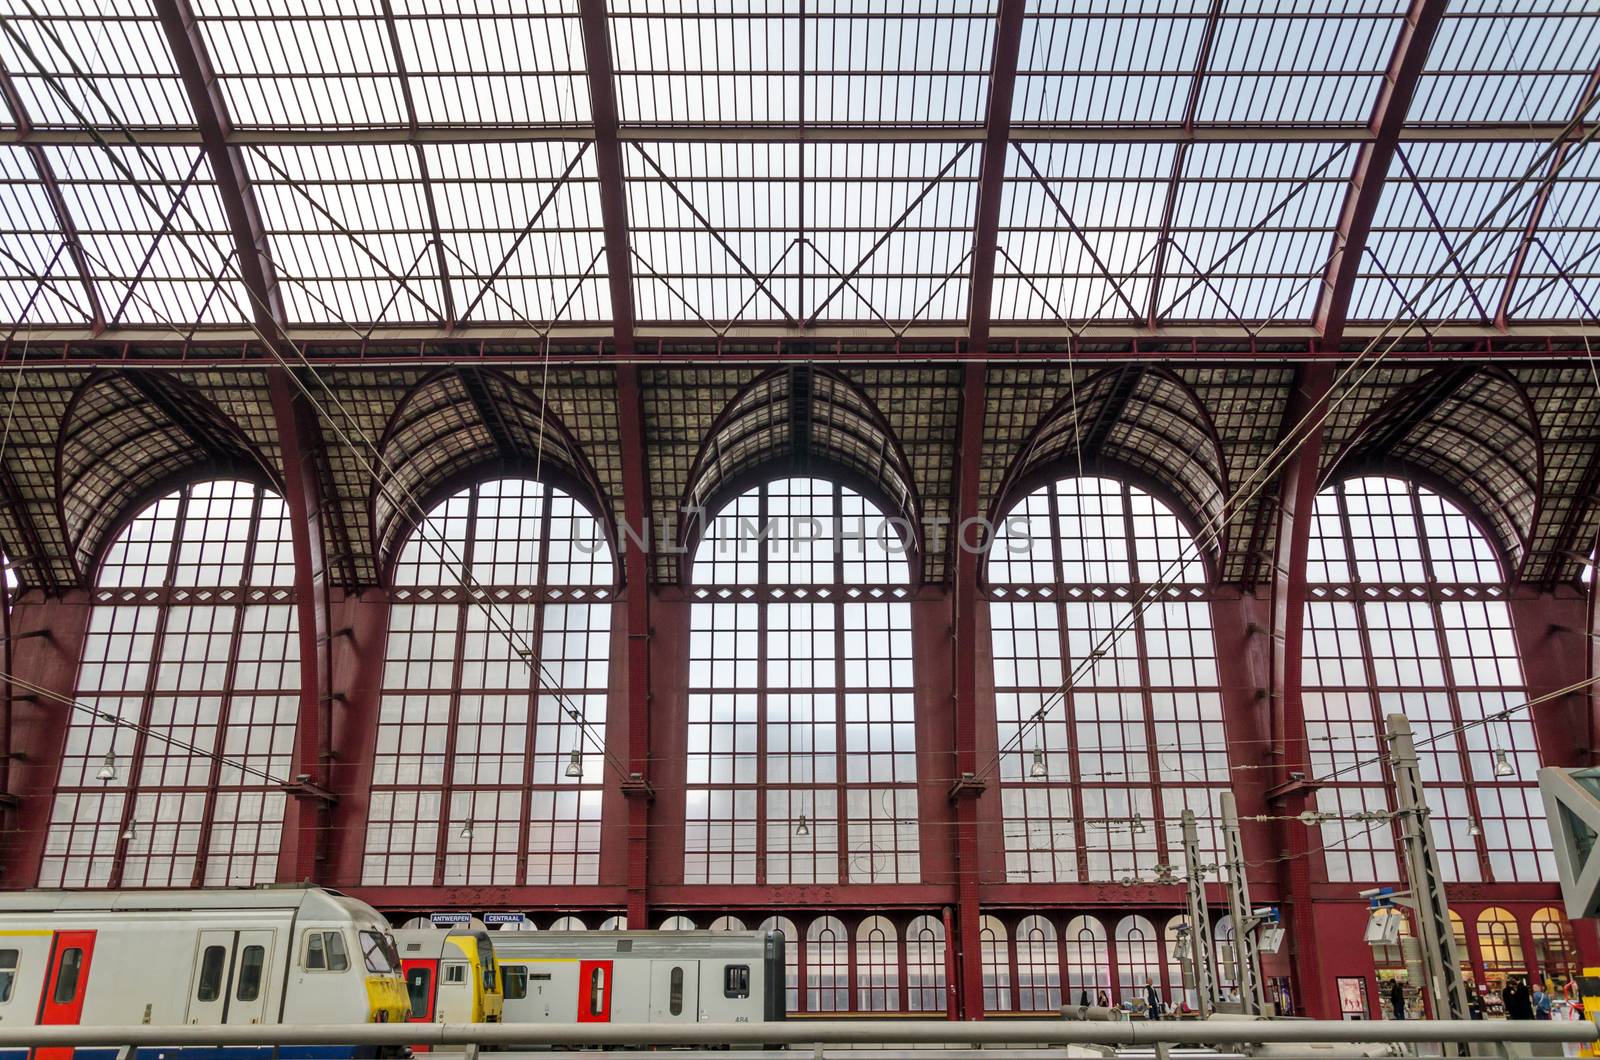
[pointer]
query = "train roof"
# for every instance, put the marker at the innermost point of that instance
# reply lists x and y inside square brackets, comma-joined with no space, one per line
[310,900]
[510,945]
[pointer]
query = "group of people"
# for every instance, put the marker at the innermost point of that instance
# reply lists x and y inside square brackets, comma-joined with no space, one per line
[1520,1001]
[1154,1006]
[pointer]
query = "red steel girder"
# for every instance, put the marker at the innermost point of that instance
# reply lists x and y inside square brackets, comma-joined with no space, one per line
[1406,63]
[636,573]
[608,169]
[204,91]
[992,169]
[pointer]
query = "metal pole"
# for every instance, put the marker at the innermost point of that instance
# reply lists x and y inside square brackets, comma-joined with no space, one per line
[1246,958]
[1202,957]
[1441,965]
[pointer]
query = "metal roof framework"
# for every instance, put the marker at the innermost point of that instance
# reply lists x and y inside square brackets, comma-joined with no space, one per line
[630,173]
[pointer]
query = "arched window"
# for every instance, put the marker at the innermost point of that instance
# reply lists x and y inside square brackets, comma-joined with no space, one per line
[996,965]
[1090,779]
[1138,958]
[1499,947]
[802,750]
[727,923]
[569,923]
[877,966]
[1458,931]
[1038,965]
[1088,959]
[192,647]
[1179,983]
[791,959]
[492,725]
[1553,947]
[925,958]
[614,923]
[1408,615]
[827,966]
[677,923]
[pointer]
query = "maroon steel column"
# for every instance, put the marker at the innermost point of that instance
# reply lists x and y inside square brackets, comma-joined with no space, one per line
[636,571]
[1297,492]
[968,940]
[307,814]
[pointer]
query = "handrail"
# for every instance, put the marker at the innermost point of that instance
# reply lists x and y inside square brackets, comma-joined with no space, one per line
[1042,1032]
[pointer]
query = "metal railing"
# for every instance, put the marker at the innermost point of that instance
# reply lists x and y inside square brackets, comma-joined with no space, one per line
[1214,1032]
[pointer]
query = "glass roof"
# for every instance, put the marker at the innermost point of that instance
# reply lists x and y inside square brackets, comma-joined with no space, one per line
[414,164]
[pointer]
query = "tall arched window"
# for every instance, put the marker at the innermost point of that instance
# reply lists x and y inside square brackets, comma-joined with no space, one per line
[1408,615]
[1499,946]
[1138,957]
[1178,973]
[996,965]
[191,647]
[877,966]
[1038,965]
[492,726]
[1088,959]
[925,964]
[827,966]
[802,744]
[1553,946]
[1093,781]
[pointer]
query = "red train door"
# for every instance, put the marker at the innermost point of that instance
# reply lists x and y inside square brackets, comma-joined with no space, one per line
[62,1002]
[422,983]
[594,991]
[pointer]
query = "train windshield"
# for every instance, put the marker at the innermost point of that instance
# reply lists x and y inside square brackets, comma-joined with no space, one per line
[379,952]
[486,954]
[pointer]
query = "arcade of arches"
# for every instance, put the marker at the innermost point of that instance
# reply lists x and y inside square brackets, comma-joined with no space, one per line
[778,745]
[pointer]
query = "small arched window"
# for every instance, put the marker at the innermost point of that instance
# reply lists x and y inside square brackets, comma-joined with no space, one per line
[877,966]
[1408,614]
[996,965]
[1138,958]
[1088,959]
[192,647]
[827,966]
[491,731]
[1553,946]
[569,923]
[677,923]
[1109,720]
[791,959]
[726,923]
[1038,965]
[1500,946]
[925,971]
[801,732]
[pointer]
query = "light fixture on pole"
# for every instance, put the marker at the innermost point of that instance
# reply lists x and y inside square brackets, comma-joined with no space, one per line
[575,763]
[1037,771]
[108,771]
[802,826]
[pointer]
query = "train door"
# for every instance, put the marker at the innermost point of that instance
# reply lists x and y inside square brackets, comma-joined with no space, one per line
[208,991]
[594,991]
[674,991]
[61,1005]
[252,958]
[420,976]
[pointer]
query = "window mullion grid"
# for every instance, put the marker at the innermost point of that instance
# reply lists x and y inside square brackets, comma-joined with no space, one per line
[1480,843]
[535,661]
[841,757]
[225,708]
[1374,696]
[146,705]
[1146,700]
[1080,839]
[446,780]
[762,772]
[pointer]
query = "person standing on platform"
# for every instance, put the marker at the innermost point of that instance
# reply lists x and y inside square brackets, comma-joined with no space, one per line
[1518,1001]
[1152,998]
[1397,999]
[1541,1003]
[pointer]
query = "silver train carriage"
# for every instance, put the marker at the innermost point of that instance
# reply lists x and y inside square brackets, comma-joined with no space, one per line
[641,976]
[269,955]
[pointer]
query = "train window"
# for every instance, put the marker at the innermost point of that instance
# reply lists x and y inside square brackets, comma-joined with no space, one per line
[455,973]
[675,996]
[376,950]
[597,991]
[251,963]
[325,952]
[67,976]
[212,961]
[736,980]
[514,977]
[8,973]
[419,988]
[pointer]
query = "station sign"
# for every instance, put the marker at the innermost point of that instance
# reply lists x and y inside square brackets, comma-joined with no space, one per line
[504,918]
[444,919]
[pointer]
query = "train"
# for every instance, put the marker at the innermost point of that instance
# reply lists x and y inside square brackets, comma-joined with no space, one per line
[267,955]
[451,976]
[641,976]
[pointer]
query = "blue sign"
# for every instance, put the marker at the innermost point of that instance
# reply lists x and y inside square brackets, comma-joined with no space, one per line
[504,918]
[441,919]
